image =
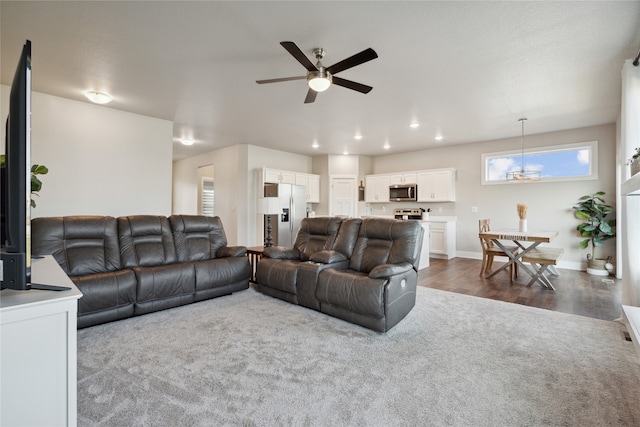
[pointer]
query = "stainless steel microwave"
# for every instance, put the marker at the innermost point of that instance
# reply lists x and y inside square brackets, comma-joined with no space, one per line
[403,193]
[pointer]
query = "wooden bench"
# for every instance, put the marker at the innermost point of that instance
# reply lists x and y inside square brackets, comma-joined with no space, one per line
[541,259]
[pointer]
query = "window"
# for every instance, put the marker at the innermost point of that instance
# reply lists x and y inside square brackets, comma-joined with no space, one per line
[568,162]
[207,207]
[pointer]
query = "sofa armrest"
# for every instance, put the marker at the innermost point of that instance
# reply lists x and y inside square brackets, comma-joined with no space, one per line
[280,252]
[231,251]
[328,257]
[388,270]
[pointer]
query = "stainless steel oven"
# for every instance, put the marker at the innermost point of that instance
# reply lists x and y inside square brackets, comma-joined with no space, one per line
[412,213]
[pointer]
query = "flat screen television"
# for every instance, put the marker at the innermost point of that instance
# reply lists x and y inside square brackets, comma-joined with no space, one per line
[16,186]
[15,243]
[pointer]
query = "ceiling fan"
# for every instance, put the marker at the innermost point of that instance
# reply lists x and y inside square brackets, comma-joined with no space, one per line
[319,77]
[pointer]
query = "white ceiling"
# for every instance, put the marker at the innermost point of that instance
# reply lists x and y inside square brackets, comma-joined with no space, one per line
[467,70]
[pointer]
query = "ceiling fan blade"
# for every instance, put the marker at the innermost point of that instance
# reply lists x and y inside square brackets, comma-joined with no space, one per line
[352,61]
[311,96]
[299,55]
[351,85]
[284,79]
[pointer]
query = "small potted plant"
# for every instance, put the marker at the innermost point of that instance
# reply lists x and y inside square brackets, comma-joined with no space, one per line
[36,184]
[595,228]
[634,161]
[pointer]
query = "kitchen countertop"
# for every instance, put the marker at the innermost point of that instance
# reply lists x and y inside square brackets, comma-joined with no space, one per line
[432,218]
[440,218]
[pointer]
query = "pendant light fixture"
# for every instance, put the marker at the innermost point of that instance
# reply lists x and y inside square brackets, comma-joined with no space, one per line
[523,175]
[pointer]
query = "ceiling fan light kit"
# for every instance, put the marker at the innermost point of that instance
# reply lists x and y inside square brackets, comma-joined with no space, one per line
[320,78]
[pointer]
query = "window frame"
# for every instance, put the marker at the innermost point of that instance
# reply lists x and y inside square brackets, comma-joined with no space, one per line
[593,164]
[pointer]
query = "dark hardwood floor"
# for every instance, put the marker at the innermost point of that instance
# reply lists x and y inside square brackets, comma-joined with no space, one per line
[576,291]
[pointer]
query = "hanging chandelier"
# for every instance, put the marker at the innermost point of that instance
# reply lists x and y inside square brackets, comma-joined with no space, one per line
[523,175]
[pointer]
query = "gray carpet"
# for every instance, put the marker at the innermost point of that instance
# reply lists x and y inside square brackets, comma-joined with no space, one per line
[455,360]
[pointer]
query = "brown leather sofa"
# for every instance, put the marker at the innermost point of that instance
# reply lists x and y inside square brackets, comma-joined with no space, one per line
[362,271]
[139,264]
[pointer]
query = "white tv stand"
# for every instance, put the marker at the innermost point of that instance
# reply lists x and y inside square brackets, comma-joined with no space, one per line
[38,361]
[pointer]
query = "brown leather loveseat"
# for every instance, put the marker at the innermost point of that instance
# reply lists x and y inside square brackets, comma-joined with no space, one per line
[362,271]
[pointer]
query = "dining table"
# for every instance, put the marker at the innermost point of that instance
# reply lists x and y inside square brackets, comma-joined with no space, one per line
[527,241]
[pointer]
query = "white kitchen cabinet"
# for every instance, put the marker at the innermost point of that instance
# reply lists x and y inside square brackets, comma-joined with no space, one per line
[314,189]
[279,176]
[437,185]
[424,252]
[38,335]
[302,179]
[403,178]
[442,239]
[312,184]
[376,189]
[309,181]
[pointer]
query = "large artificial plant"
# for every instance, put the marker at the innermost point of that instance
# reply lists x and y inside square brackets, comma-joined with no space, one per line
[596,227]
[36,184]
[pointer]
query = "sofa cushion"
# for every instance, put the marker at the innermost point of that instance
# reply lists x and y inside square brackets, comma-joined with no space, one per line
[280,274]
[351,290]
[164,286]
[197,237]
[316,234]
[385,241]
[105,297]
[80,244]
[146,240]
[220,272]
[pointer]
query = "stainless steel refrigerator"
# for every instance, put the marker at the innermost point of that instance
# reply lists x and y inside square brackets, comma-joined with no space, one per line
[293,202]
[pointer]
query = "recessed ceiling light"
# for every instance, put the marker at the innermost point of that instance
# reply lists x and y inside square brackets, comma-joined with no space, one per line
[345,152]
[358,137]
[414,125]
[186,141]
[438,137]
[386,146]
[315,145]
[98,97]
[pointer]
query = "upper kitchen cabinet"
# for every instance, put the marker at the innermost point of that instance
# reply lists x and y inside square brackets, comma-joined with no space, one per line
[309,181]
[312,183]
[403,178]
[278,176]
[438,185]
[376,188]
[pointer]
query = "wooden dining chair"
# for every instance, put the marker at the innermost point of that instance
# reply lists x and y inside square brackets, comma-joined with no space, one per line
[489,251]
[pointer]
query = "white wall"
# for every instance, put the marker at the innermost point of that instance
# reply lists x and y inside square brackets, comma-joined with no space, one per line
[101,161]
[236,180]
[549,203]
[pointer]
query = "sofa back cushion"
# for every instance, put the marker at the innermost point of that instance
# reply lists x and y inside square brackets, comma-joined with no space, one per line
[347,236]
[197,237]
[386,241]
[145,240]
[80,244]
[316,234]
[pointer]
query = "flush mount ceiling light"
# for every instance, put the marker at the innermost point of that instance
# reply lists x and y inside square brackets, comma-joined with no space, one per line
[523,175]
[358,137]
[386,146]
[98,97]
[438,137]
[315,145]
[414,125]
[186,141]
